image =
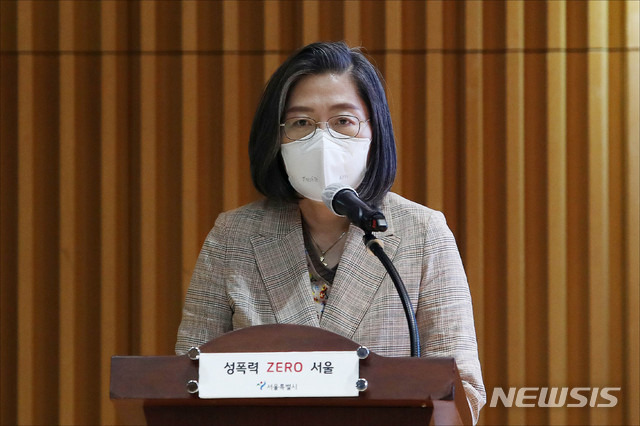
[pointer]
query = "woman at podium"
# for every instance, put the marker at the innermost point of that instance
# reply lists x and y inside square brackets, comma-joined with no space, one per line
[323,118]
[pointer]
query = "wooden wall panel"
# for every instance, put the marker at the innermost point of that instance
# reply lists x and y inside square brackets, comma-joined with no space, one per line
[631,29]
[189,139]
[148,169]
[616,200]
[535,199]
[557,199]
[230,136]
[494,192]
[115,233]
[8,212]
[577,194]
[124,129]
[472,155]
[616,197]
[598,175]
[434,115]
[38,214]
[79,174]
[391,12]
[515,212]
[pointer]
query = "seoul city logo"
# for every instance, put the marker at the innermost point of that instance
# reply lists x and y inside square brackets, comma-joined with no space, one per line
[555,397]
[261,385]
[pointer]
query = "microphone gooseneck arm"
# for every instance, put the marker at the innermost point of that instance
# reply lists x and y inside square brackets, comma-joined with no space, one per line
[373,244]
[344,201]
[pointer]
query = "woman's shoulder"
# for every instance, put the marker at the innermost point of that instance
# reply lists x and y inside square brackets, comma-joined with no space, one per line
[400,207]
[254,215]
[413,220]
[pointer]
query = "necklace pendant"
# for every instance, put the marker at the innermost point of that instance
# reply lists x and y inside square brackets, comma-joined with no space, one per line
[322,260]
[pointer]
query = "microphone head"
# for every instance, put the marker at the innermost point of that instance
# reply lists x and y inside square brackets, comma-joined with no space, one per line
[330,192]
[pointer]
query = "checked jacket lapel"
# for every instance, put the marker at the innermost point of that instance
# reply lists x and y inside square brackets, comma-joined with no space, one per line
[358,278]
[280,256]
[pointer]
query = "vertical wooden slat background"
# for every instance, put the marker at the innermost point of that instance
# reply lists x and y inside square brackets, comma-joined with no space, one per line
[514,244]
[124,127]
[557,200]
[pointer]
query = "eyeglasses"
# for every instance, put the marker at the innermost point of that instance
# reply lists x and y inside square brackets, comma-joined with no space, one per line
[340,126]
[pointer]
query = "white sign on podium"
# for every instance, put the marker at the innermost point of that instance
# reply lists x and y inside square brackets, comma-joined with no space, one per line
[278,374]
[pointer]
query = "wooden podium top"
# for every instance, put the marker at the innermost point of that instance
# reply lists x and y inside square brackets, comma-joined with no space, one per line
[420,388]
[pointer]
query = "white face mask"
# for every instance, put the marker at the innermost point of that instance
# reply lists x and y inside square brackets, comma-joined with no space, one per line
[315,163]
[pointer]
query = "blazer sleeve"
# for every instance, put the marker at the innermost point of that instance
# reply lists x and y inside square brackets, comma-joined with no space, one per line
[445,313]
[207,313]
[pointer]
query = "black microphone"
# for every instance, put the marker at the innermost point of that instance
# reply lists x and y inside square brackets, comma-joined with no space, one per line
[344,201]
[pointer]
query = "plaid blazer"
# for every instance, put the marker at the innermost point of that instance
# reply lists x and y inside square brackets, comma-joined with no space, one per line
[252,270]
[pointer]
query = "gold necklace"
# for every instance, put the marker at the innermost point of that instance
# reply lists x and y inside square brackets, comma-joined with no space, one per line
[323,253]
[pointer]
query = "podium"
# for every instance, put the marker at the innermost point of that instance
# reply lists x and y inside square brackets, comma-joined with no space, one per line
[153,389]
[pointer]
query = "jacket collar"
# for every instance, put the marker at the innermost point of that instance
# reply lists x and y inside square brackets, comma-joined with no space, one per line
[281,259]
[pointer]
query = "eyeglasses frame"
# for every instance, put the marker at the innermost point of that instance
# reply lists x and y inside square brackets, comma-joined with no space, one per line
[312,134]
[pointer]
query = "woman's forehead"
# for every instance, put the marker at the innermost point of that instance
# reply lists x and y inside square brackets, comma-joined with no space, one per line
[324,91]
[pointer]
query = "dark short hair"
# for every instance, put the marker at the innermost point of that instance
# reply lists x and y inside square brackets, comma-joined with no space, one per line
[267,167]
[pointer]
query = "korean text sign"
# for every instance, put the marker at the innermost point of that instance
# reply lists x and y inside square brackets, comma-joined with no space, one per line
[278,374]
